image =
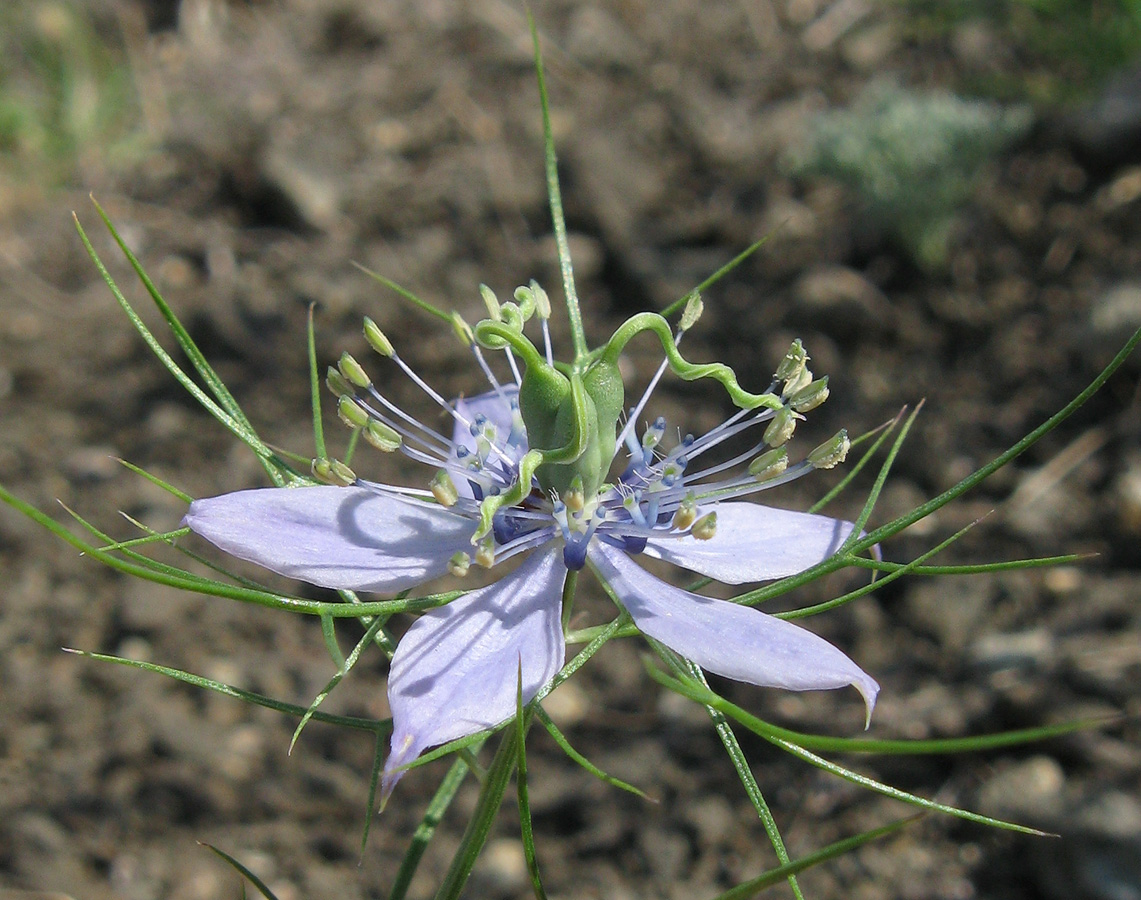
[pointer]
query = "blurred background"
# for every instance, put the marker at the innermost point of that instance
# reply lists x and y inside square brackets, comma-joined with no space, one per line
[952,199]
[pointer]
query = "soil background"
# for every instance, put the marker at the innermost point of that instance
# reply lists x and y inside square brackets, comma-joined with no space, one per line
[284,140]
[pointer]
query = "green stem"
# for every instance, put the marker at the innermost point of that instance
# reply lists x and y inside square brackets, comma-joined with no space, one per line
[578,336]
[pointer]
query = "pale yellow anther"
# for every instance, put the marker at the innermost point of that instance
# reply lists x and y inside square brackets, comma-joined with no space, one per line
[485,553]
[352,371]
[705,528]
[377,338]
[794,360]
[349,412]
[798,382]
[332,471]
[491,302]
[575,497]
[831,453]
[694,307]
[686,513]
[810,396]
[780,428]
[542,301]
[459,564]
[381,436]
[337,384]
[769,465]
[444,489]
[462,329]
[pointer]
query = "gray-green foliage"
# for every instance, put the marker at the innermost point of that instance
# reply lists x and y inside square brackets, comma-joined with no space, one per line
[913,158]
[64,90]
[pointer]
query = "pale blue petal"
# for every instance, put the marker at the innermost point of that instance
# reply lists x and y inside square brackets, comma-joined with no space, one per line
[456,670]
[495,407]
[755,543]
[353,538]
[727,638]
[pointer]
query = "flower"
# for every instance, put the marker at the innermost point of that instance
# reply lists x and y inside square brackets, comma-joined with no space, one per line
[456,671]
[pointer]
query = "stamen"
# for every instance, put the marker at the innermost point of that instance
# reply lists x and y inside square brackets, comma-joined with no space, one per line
[444,489]
[459,564]
[705,528]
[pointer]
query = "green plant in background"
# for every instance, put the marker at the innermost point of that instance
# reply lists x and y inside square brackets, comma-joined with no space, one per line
[527,470]
[1060,50]
[912,158]
[64,91]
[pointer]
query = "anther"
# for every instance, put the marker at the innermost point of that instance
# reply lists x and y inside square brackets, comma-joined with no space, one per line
[485,553]
[381,436]
[780,428]
[377,339]
[798,382]
[542,301]
[694,307]
[353,372]
[491,302]
[332,471]
[459,564]
[686,513]
[705,528]
[575,497]
[463,330]
[831,453]
[337,384]
[349,412]
[444,489]
[652,436]
[794,360]
[811,396]
[769,465]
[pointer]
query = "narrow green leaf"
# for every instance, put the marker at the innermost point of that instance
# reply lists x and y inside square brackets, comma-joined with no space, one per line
[482,817]
[218,687]
[158,482]
[852,471]
[425,831]
[406,294]
[344,666]
[526,833]
[246,873]
[680,303]
[560,739]
[754,886]
[700,692]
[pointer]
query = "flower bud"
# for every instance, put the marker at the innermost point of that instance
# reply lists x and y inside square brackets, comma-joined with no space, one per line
[381,436]
[705,527]
[831,453]
[794,360]
[352,371]
[444,489]
[769,465]
[810,396]
[780,428]
[377,338]
[694,307]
